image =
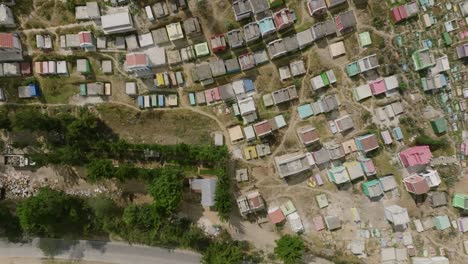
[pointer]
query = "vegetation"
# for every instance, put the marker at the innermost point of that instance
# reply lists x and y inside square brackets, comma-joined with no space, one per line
[223,200]
[83,139]
[167,191]
[9,226]
[449,174]
[80,139]
[434,144]
[223,253]
[290,248]
[53,214]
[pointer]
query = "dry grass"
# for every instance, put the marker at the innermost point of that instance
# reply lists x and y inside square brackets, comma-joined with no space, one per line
[161,127]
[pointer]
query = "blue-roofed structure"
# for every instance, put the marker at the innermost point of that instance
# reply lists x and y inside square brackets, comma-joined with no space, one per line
[249,86]
[305,111]
[140,101]
[161,100]
[267,26]
[192,98]
[29,91]
[397,133]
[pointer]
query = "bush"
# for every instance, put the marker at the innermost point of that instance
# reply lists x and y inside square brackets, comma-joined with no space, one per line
[290,249]
[223,199]
[433,144]
[53,214]
[166,190]
[99,169]
[223,253]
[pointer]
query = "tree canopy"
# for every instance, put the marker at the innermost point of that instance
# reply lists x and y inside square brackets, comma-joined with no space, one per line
[223,199]
[223,253]
[166,190]
[290,248]
[99,169]
[52,213]
[9,224]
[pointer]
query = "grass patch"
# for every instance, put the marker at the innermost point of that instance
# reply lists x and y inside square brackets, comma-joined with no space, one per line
[162,127]
[208,172]
[55,90]
[383,165]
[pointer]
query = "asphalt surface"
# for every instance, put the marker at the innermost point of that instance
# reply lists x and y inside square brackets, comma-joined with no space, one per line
[109,252]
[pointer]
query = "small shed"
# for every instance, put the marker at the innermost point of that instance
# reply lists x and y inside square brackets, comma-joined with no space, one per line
[388,183]
[160,35]
[218,43]
[251,32]
[338,175]
[284,73]
[364,39]
[442,222]
[249,133]
[217,67]
[462,223]
[322,200]
[318,223]
[337,49]
[235,38]
[397,215]
[242,175]
[202,49]
[332,222]
[235,133]
[200,96]
[106,66]
[131,88]
[267,100]
[83,66]
[297,68]
[304,111]
[131,42]
[362,92]
[295,222]
[246,61]
[275,215]
[437,199]
[218,138]
[372,189]
[174,31]
[354,169]
[192,26]
[439,125]
[397,133]
[173,57]
[261,57]
[192,99]
[29,91]
[288,208]
[232,65]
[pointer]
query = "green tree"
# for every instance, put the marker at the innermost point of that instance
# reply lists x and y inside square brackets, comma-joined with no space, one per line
[166,190]
[106,213]
[9,224]
[31,119]
[223,202]
[99,169]
[5,122]
[290,249]
[223,253]
[125,172]
[54,214]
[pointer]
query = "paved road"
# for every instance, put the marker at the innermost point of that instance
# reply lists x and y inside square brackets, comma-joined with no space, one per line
[109,252]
